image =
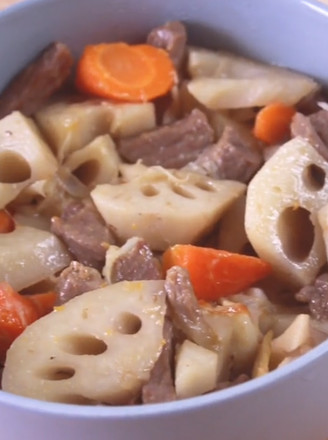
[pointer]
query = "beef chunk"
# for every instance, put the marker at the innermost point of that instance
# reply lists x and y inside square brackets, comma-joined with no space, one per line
[171,146]
[135,261]
[75,280]
[185,311]
[160,387]
[29,90]
[233,157]
[172,37]
[84,232]
[314,129]
[317,297]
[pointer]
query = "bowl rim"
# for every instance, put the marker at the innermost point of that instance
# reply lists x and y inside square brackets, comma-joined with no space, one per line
[178,406]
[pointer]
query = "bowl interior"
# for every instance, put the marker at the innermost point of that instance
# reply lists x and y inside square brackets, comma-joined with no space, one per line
[285,32]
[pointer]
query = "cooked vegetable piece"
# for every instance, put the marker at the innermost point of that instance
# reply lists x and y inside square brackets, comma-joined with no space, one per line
[281,217]
[196,370]
[272,123]
[16,313]
[7,223]
[24,156]
[104,343]
[229,93]
[296,335]
[155,205]
[97,162]
[131,119]
[262,360]
[29,255]
[216,273]
[69,126]
[224,80]
[135,73]
[238,334]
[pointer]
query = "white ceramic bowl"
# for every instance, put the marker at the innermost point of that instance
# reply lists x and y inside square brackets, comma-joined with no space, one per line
[290,403]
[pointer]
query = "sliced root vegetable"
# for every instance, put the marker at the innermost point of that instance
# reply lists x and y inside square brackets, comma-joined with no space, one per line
[136,73]
[272,123]
[216,273]
[99,347]
[282,204]
[262,360]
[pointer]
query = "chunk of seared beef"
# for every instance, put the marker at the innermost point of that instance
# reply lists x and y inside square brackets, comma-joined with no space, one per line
[171,146]
[234,157]
[314,129]
[160,387]
[133,261]
[30,89]
[84,232]
[185,311]
[75,280]
[172,37]
[316,296]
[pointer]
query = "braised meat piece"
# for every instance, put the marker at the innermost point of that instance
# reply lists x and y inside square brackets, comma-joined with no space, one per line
[233,157]
[172,37]
[30,89]
[84,232]
[314,129]
[135,261]
[185,311]
[160,387]
[316,296]
[171,146]
[75,280]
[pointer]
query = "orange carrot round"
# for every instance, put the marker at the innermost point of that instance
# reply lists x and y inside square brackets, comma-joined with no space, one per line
[7,223]
[272,122]
[16,313]
[135,73]
[216,273]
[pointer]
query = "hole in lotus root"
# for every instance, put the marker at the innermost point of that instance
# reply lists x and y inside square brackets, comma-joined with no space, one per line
[314,177]
[56,373]
[128,324]
[82,345]
[296,233]
[205,186]
[149,190]
[13,168]
[181,191]
[87,172]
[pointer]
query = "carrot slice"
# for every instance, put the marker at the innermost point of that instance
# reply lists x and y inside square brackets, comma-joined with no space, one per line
[216,273]
[16,313]
[272,122]
[43,302]
[135,73]
[7,223]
